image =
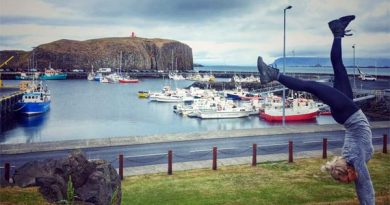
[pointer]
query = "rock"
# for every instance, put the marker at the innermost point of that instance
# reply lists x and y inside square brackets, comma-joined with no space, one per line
[94,182]
[26,175]
[110,182]
[137,53]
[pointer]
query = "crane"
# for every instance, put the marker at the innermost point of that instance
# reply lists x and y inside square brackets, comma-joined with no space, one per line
[6,62]
[3,64]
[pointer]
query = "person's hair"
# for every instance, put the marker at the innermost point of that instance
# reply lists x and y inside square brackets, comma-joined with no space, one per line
[336,168]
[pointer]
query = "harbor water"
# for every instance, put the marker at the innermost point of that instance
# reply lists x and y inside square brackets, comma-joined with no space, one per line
[82,109]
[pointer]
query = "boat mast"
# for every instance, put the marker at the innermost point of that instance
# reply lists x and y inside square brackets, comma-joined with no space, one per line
[120,64]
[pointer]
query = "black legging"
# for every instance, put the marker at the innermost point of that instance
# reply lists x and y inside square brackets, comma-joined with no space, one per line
[339,98]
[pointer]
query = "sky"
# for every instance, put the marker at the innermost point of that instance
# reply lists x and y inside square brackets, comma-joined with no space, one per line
[220,32]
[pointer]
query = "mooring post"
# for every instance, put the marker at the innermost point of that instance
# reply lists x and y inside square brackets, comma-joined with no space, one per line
[214,158]
[324,148]
[254,154]
[385,143]
[121,166]
[169,162]
[290,152]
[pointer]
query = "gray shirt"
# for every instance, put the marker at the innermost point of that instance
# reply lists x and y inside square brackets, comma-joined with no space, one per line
[357,150]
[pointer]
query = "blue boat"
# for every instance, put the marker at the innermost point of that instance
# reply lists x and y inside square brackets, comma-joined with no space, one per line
[35,100]
[52,74]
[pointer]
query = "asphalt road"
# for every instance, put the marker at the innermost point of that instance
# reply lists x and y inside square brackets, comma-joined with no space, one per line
[184,151]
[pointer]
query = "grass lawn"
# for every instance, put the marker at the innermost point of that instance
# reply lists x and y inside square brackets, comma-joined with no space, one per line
[300,182]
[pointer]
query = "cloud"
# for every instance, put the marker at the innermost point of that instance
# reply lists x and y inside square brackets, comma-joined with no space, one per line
[219,31]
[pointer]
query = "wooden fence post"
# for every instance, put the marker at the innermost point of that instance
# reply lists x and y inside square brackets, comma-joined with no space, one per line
[121,166]
[214,158]
[324,148]
[254,154]
[290,152]
[385,143]
[170,162]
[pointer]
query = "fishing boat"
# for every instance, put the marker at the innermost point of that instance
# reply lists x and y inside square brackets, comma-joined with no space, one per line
[36,100]
[298,110]
[52,74]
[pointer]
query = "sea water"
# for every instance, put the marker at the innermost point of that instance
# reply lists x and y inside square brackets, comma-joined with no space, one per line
[82,109]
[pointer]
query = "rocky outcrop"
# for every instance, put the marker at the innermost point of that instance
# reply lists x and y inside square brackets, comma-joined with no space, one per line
[137,53]
[95,182]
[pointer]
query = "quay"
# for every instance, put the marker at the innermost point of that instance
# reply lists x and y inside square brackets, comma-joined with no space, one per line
[155,74]
[7,103]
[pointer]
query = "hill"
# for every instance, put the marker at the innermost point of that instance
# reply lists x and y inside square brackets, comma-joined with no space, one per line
[137,53]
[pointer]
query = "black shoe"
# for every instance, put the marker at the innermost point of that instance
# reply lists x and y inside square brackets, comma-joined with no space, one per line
[267,74]
[338,26]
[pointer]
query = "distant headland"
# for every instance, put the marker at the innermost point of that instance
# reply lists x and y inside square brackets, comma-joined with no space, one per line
[137,53]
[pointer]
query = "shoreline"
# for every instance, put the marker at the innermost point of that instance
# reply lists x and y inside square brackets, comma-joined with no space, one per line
[21,148]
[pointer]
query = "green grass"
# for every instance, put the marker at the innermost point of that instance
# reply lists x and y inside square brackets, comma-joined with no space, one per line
[21,196]
[269,183]
[300,182]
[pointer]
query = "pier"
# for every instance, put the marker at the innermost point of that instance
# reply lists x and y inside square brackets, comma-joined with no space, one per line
[7,104]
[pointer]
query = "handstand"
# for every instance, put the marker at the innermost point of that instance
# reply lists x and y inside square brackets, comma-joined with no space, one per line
[357,149]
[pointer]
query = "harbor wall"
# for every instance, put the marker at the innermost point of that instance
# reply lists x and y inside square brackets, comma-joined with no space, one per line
[7,105]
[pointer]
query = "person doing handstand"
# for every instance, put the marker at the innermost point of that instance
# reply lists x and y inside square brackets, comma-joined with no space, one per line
[357,149]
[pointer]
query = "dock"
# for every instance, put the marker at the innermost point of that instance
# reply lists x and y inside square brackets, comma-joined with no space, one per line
[7,104]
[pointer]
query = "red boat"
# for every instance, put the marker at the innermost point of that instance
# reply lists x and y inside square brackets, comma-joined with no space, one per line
[127,80]
[297,117]
[298,110]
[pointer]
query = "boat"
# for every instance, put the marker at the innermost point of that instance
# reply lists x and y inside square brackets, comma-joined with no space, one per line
[125,78]
[104,80]
[35,100]
[52,74]
[98,76]
[128,80]
[91,75]
[215,108]
[24,76]
[366,77]
[298,110]
[143,94]
[223,114]
[175,76]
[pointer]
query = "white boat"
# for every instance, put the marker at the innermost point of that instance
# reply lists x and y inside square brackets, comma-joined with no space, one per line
[237,112]
[91,76]
[104,80]
[175,76]
[220,108]
[168,98]
[365,77]
[113,77]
